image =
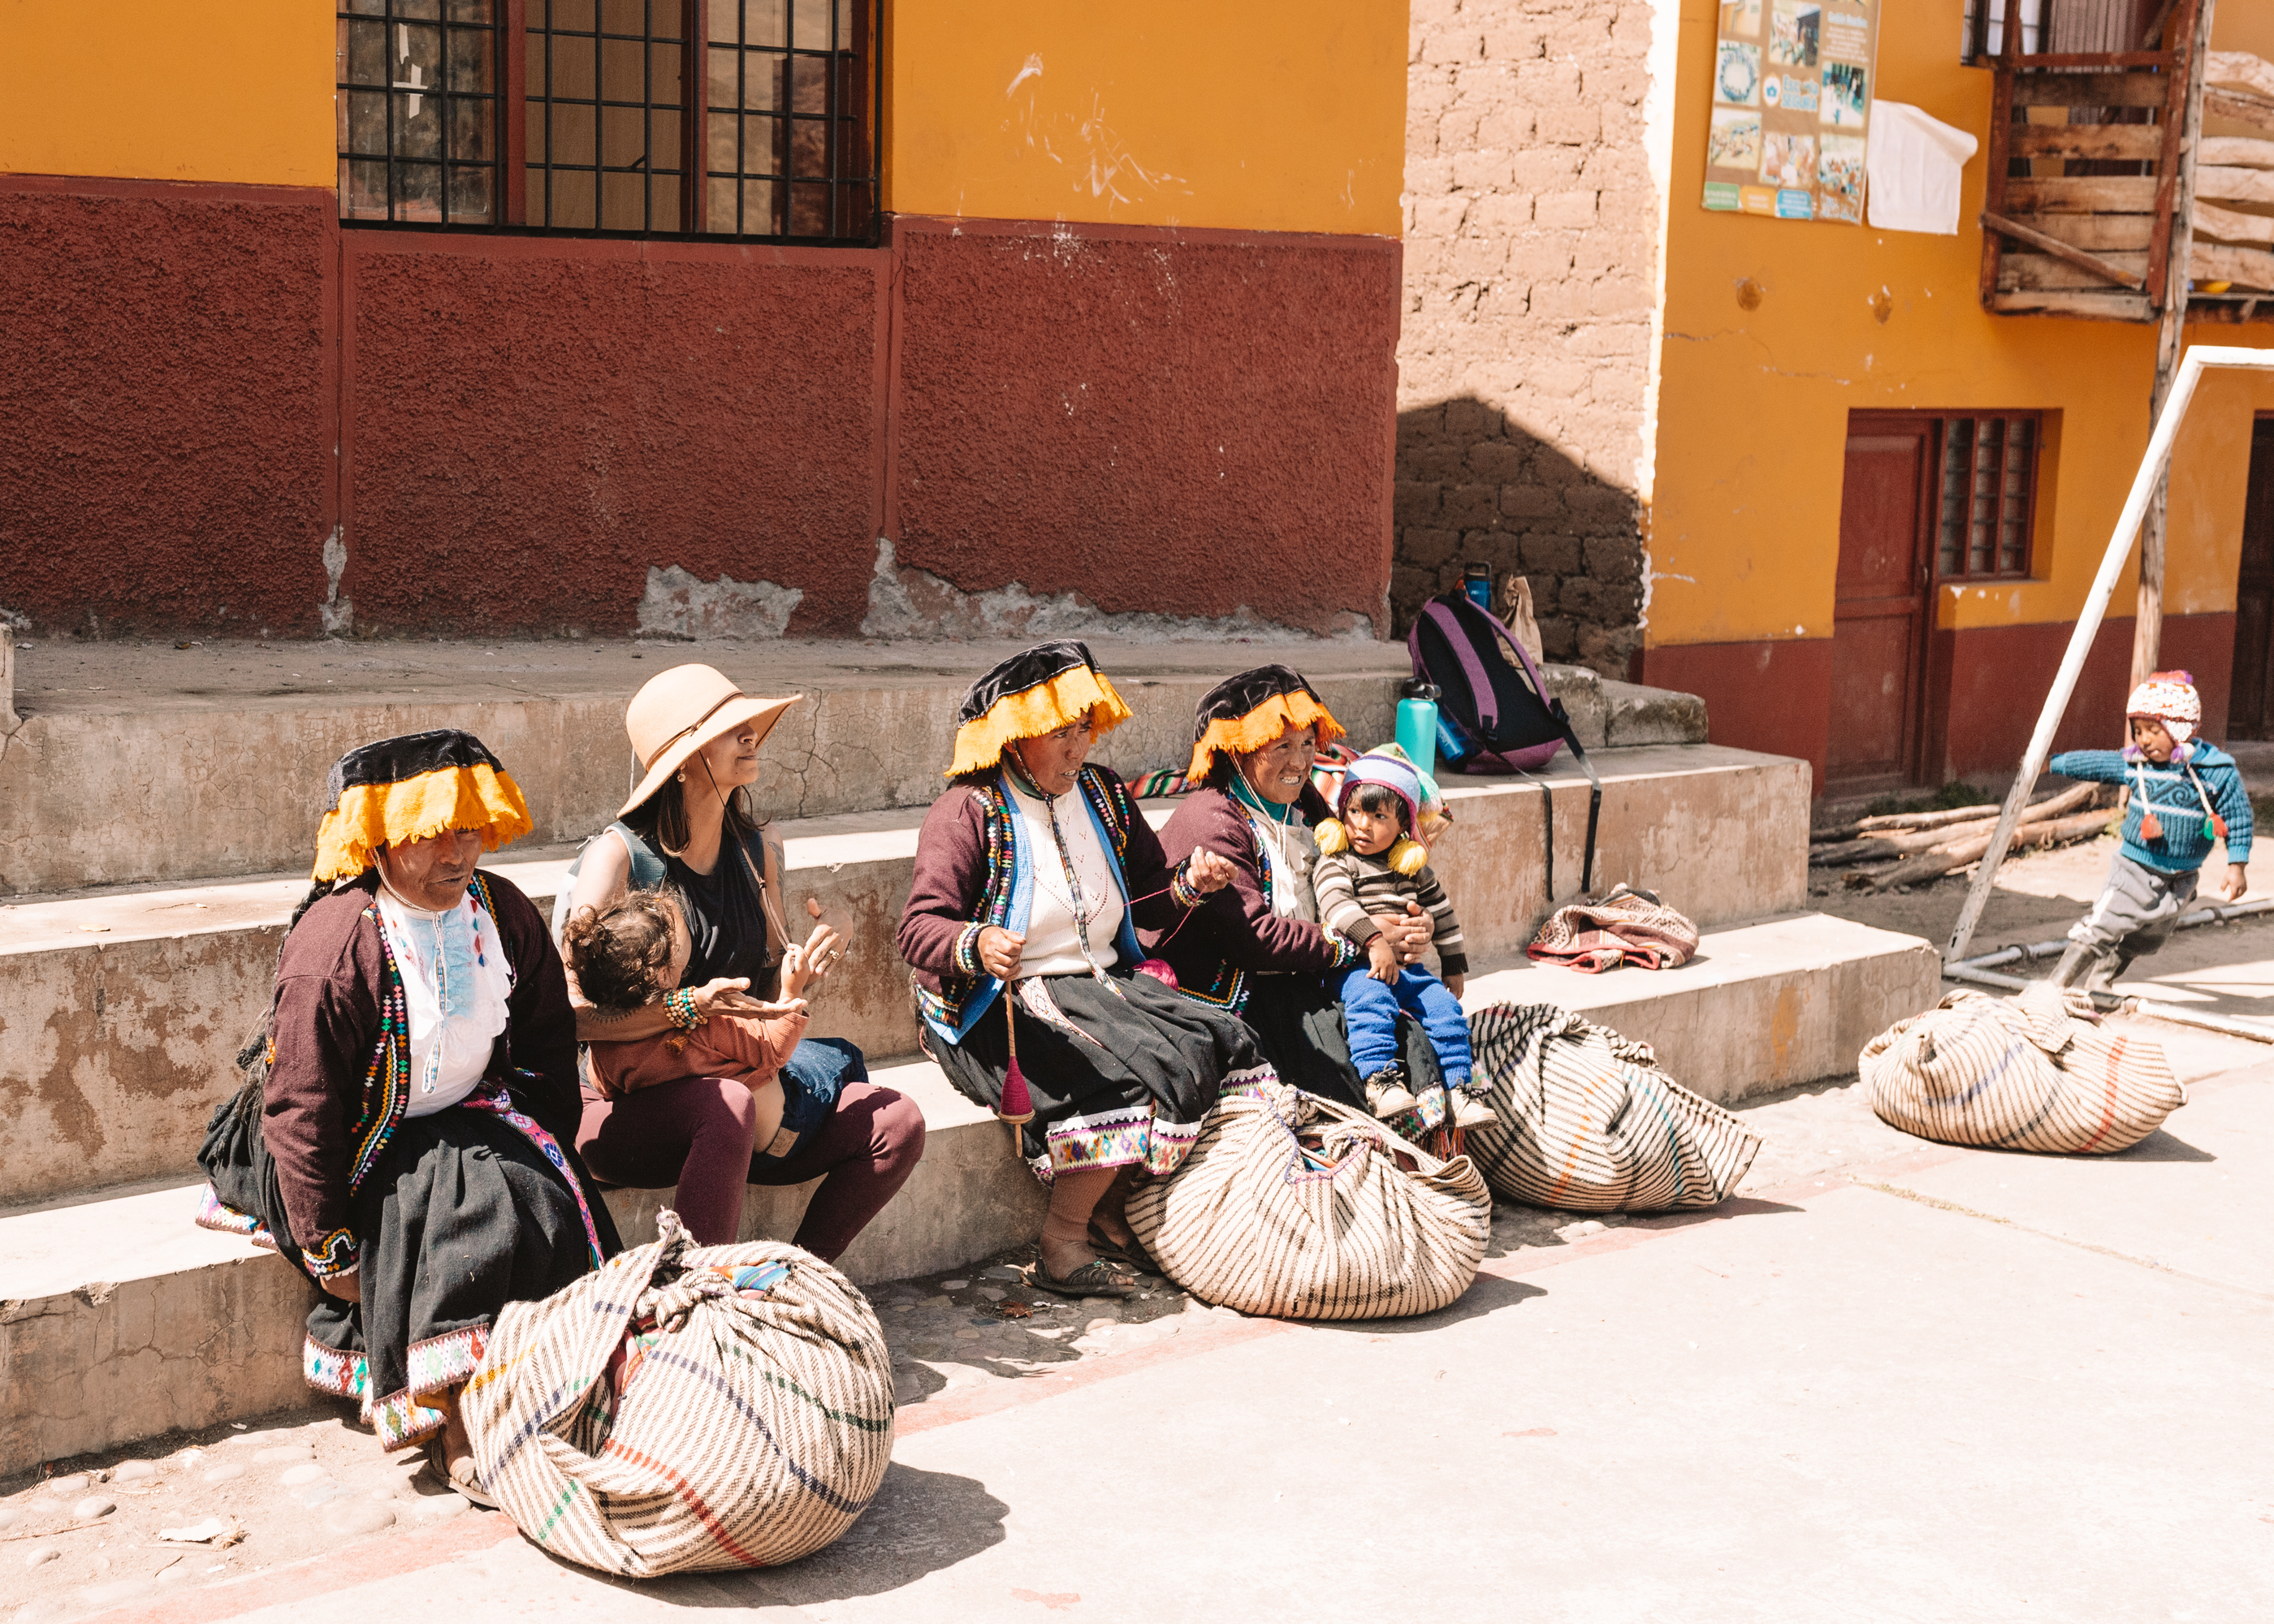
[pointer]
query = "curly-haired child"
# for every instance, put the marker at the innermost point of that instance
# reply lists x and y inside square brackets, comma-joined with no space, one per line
[1372,861]
[2185,794]
[635,951]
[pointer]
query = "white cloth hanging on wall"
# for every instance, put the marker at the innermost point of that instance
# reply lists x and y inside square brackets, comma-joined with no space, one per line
[1913,164]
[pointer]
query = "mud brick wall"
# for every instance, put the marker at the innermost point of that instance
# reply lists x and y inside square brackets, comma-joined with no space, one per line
[1531,255]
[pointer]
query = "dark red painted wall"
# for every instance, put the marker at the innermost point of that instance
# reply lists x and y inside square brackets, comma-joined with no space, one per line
[165,416]
[1144,420]
[1993,680]
[1771,696]
[1985,687]
[534,424]
[525,425]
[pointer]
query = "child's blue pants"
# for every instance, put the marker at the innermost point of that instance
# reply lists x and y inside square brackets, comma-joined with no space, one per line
[1370,1011]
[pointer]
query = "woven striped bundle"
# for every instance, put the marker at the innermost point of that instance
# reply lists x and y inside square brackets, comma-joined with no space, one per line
[1297,1207]
[1588,1121]
[686,1409]
[2030,1073]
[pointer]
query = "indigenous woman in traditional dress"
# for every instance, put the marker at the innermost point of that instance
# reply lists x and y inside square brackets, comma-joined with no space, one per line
[1031,876]
[409,1147]
[689,829]
[1257,948]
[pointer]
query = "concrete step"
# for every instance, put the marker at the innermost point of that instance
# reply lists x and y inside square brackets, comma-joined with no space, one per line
[120,1320]
[137,764]
[1762,1007]
[185,1328]
[125,1008]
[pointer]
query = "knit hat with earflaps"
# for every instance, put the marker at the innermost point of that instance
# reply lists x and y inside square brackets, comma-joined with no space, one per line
[1426,817]
[2169,697]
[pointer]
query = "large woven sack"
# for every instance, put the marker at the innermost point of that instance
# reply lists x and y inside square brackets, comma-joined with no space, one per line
[2035,1071]
[1590,1124]
[686,1408]
[1297,1207]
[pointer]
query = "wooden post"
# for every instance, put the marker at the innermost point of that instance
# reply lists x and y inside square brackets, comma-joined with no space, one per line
[2148,627]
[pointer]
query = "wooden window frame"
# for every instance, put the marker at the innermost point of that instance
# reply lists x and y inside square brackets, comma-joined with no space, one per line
[2027,523]
[849,186]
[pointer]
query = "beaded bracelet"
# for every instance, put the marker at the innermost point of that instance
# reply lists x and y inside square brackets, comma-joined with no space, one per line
[679,1007]
[1182,892]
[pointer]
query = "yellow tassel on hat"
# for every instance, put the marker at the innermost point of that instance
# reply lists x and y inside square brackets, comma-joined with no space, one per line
[1331,836]
[370,816]
[1074,693]
[1409,856]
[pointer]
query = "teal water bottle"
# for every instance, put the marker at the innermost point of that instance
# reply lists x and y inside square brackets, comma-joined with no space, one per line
[1417,723]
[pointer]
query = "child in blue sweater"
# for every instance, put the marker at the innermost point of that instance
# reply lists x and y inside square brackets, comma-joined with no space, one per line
[2185,795]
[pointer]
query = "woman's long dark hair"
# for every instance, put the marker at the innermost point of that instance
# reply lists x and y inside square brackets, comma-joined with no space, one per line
[661,819]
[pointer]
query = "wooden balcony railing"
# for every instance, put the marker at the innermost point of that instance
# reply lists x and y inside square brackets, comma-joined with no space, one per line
[2095,160]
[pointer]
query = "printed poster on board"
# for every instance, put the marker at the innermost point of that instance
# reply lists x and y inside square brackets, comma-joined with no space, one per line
[1792,100]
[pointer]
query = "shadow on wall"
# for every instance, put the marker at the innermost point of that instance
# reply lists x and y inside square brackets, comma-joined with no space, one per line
[1474,486]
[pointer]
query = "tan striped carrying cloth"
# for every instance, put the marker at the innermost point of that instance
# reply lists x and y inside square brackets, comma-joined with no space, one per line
[686,1409]
[2034,1071]
[1294,1207]
[1624,927]
[1588,1121]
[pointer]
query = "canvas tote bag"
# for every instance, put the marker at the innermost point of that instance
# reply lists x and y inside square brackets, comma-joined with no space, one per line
[1300,1208]
[2034,1071]
[1590,1124]
[686,1408]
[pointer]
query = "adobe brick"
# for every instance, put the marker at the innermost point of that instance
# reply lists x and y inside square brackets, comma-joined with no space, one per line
[1426,548]
[1438,216]
[1544,169]
[1614,559]
[1472,506]
[1417,501]
[1482,171]
[1552,553]
[1560,301]
[1504,213]
[1547,83]
[1569,127]
[1448,46]
[1564,208]
[1620,295]
[1498,461]
[1528,500]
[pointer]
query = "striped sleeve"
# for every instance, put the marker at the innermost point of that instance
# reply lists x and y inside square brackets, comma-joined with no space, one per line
[1445,934]
[1335,882]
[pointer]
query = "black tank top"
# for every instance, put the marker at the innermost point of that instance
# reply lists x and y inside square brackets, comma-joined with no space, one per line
[725,921]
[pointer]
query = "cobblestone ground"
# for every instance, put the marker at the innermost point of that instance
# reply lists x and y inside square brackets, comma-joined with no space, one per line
[92,1535]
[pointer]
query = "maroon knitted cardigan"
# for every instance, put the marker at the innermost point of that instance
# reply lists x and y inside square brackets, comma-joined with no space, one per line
[1234,933]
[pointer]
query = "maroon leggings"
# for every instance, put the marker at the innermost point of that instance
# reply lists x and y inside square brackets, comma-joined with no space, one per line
[697,1133]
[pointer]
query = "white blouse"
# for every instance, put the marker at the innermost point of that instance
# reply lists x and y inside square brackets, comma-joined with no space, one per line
[455,981]
[1053,946]
[1292,852]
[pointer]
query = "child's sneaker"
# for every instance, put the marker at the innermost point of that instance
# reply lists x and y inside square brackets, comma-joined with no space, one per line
[1469,1108]
[1386,1095]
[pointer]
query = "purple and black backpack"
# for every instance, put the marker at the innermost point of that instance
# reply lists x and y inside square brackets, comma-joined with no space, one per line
[1495,713]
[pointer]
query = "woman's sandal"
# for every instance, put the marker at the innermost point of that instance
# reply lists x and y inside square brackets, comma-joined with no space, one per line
[462,1482]
[1131,1251]
[1098,1277]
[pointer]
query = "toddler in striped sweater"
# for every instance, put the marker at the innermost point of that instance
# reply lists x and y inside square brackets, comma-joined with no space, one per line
[1371,861]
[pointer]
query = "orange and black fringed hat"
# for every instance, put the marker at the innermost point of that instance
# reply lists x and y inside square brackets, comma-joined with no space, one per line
[1036,691]
[1248,711]
[411,788]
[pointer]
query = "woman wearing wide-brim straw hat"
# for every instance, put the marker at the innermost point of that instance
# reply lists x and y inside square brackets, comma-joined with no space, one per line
[689,828]
[1031,875]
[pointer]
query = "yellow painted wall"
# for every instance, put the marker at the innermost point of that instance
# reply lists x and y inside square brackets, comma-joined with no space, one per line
[1262,115]
[164,90]
[1753,404]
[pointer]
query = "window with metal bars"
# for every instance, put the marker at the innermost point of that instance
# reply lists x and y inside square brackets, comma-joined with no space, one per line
[573,117]
[416,111]
[1989,495]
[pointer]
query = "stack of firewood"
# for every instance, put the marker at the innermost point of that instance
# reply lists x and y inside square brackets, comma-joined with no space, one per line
[1925,845]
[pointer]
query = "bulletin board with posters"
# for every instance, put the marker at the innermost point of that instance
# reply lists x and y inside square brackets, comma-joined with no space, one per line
[1792,99]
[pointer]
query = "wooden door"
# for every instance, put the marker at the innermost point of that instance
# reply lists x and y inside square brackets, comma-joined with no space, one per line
[2250,711]
[1879,609]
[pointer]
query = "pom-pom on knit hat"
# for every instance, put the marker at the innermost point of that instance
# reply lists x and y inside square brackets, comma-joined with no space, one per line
[411,788]
[1036,691]
[2169,697]
[1248,711]
[1426,817]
